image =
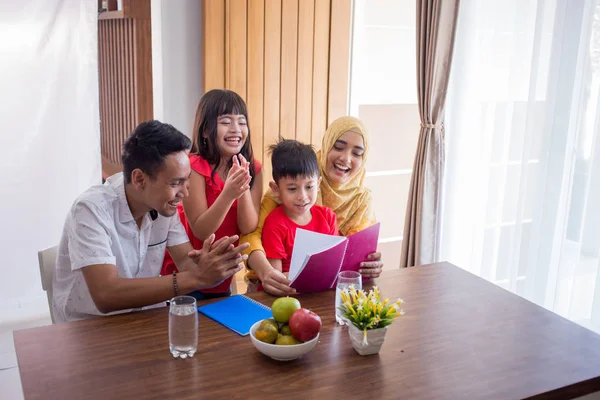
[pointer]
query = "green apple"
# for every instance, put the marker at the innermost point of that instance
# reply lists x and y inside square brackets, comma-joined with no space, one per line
[284,307]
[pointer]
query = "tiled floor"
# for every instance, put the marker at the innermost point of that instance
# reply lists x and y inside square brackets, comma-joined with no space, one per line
[10,384]
[15,318]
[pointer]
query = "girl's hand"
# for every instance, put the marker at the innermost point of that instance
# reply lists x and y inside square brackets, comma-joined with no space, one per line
[243,163]
[237,182]
[372,267]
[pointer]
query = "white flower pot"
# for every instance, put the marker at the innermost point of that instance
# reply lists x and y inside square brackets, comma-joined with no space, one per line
[375,339]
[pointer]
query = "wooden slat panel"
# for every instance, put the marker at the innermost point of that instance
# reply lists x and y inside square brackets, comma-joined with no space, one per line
[255,77]
[113,132]
[143,69]
[320,80]
[118,76]
[213,44]
[236,59]
[306,21]
[105,89]
[130,81]
[125,79]
[289,60]
[339,59]
[227,38]
[102,85]
[138,9]
[272,78]
[114,76]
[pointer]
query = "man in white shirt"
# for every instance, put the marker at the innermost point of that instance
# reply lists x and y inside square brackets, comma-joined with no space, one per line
[115,235]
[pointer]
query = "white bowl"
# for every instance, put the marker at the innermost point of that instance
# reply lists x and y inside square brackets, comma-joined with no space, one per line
[282,352]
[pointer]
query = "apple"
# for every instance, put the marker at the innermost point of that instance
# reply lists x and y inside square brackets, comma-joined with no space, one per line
[305,324]
[283,308]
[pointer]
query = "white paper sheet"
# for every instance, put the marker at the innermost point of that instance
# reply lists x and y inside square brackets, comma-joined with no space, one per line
[307,243]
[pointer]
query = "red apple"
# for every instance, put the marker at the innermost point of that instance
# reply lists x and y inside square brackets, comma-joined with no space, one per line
[305,324]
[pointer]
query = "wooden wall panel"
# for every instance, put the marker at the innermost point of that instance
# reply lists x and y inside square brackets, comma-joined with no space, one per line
[117,99]
[255,73]
[272,63]
[131,88]
[213,44]
[339,56]
[235,56]
[320,71]
[288,58]
[306,23]
[289,66]
[125,77]
[137,9]
[142,45]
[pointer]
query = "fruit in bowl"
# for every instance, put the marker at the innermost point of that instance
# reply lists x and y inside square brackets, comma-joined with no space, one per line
[286,340]
[304,324]
[279,340]
[285,351]
[267,331]
[283,308]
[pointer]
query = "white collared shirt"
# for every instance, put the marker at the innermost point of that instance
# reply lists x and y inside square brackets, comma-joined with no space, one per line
[100,229]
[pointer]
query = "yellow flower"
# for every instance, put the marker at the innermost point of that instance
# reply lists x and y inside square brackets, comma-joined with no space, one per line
[366,310]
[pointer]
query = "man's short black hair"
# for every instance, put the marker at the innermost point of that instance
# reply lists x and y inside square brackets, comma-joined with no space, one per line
[291,158]
[148,146]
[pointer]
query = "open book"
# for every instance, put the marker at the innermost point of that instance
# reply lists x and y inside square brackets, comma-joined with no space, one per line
[318,258]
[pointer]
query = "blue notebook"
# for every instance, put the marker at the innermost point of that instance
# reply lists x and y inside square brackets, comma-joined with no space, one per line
[237,313]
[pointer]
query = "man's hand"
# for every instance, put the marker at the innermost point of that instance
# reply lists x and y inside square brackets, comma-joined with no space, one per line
[217,261]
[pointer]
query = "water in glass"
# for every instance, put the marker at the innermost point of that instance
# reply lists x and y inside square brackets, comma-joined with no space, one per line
[346,279]
[183,327]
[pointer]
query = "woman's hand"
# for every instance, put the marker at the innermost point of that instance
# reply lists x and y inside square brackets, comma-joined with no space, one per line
[372,267]
[238,179]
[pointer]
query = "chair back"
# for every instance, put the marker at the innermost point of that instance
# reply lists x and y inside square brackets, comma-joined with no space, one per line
[47,260]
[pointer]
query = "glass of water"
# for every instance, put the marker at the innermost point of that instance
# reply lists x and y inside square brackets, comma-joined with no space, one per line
[345,279]
[183,326]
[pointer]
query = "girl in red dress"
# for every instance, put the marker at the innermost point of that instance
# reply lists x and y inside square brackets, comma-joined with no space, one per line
[226,182]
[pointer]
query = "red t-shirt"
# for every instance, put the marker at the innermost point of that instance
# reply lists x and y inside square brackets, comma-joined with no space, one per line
[228,227]
[279,232]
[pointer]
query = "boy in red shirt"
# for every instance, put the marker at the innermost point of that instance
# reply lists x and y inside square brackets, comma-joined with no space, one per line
[295,183]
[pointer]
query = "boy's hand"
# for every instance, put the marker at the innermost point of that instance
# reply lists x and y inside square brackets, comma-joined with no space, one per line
[275,282]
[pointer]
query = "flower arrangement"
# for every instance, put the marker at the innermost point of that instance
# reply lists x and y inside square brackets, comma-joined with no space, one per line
[366,310]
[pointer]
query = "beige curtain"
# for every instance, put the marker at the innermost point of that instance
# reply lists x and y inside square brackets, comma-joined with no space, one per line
[436,26]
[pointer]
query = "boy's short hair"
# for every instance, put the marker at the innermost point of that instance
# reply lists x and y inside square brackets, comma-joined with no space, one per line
[148,146]
[291,158]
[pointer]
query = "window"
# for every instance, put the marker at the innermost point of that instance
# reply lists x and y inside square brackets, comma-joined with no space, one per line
[383,94]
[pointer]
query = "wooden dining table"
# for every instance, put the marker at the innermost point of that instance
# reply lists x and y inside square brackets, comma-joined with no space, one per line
[461,338]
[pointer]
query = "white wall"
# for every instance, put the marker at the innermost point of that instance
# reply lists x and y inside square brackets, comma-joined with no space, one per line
[50,138]
[176,61]
[49,93]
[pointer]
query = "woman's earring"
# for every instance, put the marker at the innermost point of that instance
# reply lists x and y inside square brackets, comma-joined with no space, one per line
[204,143]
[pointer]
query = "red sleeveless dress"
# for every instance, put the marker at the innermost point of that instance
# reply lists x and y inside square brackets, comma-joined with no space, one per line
[229,226]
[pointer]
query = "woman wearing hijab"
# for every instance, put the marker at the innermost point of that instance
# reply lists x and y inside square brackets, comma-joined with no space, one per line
[342,164]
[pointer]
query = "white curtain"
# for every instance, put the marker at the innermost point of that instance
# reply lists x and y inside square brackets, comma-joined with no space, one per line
[522,191]
[49,140]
